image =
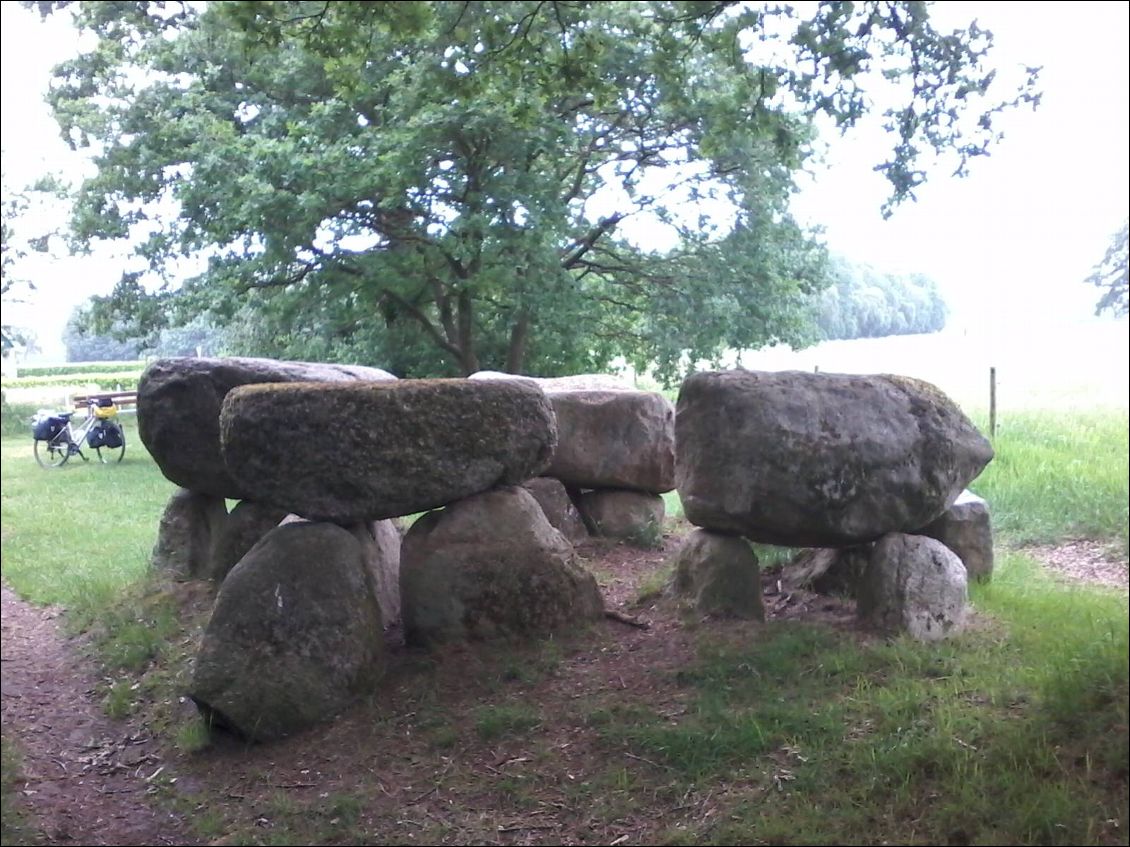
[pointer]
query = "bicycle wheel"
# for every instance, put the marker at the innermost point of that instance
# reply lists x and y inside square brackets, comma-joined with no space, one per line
[112,455]
[53,453]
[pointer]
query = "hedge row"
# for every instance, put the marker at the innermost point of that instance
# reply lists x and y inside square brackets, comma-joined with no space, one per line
[83,368]
[105,381]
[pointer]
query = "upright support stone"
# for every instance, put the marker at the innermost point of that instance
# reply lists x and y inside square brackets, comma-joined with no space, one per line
[720,574]
[967,530]
[558,507]
[246,524]
[914,585]
[492,566]
[631,516]
[380,550]
[828,570]
[294,636]
[185,535]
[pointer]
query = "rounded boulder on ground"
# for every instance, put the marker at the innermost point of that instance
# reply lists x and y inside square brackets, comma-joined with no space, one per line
[178,411]
[632,516]
[351,453]
[914,585]
[294,636]
[491,566]
[820,460]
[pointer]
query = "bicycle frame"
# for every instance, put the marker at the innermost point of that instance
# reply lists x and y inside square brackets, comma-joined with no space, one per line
[76,435]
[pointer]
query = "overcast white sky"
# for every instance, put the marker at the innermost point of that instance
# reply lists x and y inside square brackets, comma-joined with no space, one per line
[1011,242]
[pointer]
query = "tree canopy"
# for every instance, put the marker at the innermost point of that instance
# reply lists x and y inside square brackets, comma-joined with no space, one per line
[16,244]
[443,186]
[1113,276]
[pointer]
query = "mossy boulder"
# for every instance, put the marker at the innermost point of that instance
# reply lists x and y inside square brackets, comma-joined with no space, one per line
[295,634]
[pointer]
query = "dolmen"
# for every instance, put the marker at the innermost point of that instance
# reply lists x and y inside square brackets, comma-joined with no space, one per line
[876,464]
[311,564]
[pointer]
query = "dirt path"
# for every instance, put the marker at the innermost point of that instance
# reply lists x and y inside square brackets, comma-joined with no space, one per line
[83,775]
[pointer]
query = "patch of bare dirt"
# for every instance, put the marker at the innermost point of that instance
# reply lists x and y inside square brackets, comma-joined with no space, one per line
[1083,561]
[85,778]
[418,763]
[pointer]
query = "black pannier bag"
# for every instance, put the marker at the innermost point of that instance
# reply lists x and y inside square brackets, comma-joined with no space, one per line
[44,429]
[96,437]
[111,437]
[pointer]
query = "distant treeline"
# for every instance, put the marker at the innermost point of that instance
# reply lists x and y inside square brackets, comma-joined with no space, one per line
[860,302]
[863,302]
[83,344]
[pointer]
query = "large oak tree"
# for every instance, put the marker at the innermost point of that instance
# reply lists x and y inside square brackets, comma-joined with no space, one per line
[447,186]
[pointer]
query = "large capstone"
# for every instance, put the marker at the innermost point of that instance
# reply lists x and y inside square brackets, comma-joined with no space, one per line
[178,411]
[609,434]
[380,551]
[614,439]
[351,453]
[491,566]
[294,636]
[820,460]
[914,585]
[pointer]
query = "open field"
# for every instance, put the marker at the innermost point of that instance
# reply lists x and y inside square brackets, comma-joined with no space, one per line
[1057,366]
[802,730]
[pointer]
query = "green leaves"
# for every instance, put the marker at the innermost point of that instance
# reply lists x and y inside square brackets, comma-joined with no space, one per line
[1113,275]
[453,174]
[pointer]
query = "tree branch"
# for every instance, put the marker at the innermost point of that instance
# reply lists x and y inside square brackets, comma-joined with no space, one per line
[421,318]
[578,250]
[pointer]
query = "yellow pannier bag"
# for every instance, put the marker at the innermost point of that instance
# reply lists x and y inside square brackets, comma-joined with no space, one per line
[105,412]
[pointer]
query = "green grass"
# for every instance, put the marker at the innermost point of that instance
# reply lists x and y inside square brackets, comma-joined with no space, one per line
[1059,476]
[79,535]
[1014,733]
[494,722]
[15,827]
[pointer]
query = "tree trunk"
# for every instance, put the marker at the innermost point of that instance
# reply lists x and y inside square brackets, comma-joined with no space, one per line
[468,360]
[519,335]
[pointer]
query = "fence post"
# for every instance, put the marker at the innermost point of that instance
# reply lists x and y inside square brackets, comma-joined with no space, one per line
[992,402]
